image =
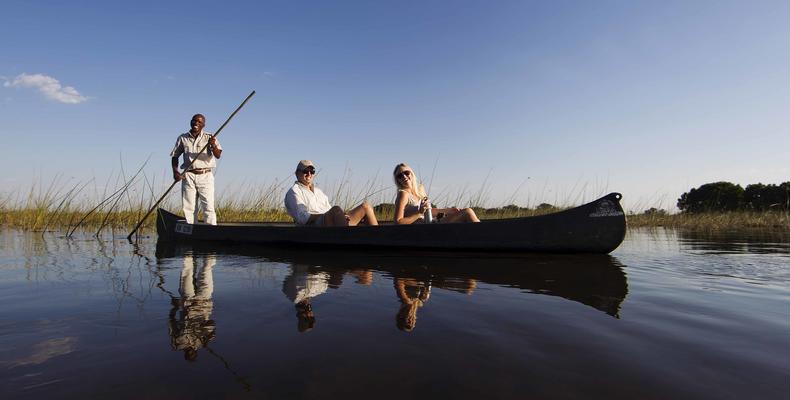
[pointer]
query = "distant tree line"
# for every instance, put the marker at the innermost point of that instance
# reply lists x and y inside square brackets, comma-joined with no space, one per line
[726,196]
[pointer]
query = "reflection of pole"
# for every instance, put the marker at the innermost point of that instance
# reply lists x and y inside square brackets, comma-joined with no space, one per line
[240,379]
[120,284]
[153,270]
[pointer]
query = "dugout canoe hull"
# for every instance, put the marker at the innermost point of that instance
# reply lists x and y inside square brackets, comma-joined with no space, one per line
[595,227]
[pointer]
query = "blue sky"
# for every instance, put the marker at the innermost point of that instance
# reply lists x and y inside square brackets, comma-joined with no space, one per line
[554,101]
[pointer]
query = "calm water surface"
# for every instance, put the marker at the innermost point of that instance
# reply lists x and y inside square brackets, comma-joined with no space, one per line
[667,315]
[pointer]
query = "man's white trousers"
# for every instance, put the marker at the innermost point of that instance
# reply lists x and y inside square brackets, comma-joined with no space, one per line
[198,189]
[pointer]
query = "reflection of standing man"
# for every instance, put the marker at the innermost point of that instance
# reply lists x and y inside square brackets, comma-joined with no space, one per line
[198,182]
[194,328]
[300,287]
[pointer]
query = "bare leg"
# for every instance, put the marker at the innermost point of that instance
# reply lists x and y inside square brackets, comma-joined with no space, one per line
[335,217]
[465,215]
[363,210]
[470,215]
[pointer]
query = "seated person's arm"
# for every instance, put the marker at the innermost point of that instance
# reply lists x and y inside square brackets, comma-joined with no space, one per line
[297,209]
[400,206]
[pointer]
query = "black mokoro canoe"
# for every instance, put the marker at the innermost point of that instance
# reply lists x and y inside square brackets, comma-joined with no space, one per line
[596,227]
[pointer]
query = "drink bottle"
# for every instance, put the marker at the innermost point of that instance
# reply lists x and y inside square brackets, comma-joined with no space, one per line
[428,215]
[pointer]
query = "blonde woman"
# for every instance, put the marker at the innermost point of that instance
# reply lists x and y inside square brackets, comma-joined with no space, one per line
[410,204]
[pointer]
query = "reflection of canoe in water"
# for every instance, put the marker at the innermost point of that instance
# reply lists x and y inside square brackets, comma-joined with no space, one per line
[596,227]
[595,280]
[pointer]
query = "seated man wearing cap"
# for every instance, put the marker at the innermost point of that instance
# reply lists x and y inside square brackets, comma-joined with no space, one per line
[308,205]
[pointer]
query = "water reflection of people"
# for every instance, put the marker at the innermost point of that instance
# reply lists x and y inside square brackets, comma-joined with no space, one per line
[193,328]
[412,294]
[461,285]
[364,276]
[301,286]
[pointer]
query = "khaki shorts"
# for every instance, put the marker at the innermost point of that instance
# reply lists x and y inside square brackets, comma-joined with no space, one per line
[318,221]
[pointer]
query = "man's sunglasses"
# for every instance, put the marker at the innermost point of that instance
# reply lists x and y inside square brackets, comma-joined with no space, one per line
[308,171]
[402,174]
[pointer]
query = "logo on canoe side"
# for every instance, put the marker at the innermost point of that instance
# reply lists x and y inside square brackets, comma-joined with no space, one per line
[606,209]
[184,228]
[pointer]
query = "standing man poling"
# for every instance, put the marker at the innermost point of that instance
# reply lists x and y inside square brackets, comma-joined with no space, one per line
[197,183]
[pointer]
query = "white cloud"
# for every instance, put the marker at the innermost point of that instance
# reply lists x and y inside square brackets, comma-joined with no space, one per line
[47,350]
[48,86]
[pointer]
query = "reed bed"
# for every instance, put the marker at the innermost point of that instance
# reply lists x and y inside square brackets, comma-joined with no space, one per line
[39,216]
[61,206]
[713,221]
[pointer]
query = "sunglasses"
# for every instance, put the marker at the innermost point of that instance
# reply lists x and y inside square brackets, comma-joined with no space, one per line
[402,174]
[308,171]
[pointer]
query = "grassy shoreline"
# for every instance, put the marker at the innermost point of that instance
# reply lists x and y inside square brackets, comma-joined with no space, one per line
[41,218]
[60,207]
[714,220]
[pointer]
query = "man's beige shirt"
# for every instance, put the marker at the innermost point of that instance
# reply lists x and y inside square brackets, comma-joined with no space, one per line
[189,147]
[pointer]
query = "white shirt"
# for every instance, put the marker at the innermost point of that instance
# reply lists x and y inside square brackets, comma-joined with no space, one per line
[300,202]
[189,146]
[302,285]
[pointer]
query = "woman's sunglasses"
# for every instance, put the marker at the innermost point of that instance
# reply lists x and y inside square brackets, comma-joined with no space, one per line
[402,174]
[308,171]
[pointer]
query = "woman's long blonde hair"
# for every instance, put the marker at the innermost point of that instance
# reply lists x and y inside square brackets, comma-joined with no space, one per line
[419,188]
